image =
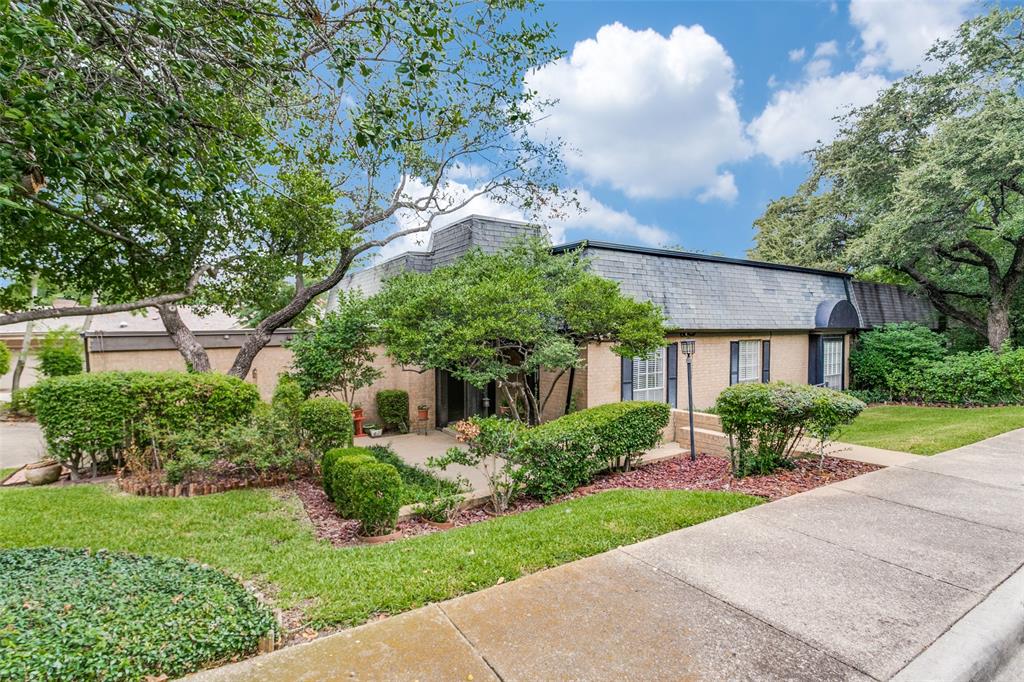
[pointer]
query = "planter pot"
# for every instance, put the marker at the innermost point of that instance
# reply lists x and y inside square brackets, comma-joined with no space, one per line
[379,539]
[357,413]
[422,414]
[375,433]
[444,525]
[42,473]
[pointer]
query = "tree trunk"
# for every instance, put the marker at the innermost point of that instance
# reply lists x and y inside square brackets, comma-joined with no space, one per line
[184,340]
[998,323]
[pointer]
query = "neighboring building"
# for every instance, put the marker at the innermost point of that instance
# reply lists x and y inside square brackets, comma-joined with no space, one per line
[751,321]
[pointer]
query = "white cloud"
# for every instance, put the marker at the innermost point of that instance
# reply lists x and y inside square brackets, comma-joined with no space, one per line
[827,49]
[649,115]
[896,35]
[724,189]
[796,119]
[597,218]
[797,55]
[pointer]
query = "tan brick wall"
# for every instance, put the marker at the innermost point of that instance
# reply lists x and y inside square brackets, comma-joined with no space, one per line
[419,386]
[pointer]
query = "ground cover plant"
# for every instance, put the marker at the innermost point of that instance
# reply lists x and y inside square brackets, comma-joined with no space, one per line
[73,614]
[266,535]
[419,485]
[929,430]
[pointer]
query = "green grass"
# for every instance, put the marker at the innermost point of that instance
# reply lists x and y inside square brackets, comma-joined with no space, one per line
[929,430]
[264,534]
[6,472]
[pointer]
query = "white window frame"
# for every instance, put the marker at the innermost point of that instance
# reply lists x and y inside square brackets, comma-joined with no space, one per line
[649,377]
[833,348]
[749,367]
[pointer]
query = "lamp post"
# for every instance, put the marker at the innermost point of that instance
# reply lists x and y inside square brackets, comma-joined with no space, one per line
[687,347]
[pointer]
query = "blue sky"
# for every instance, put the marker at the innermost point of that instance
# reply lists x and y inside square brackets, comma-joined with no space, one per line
[683,119]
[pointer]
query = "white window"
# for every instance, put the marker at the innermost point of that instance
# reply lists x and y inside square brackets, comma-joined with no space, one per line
[832,362]
[649,377]
[750,362]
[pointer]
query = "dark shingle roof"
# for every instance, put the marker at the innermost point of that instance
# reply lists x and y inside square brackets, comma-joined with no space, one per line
[880,304]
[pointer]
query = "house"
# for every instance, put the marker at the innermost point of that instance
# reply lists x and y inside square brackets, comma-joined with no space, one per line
[751,321]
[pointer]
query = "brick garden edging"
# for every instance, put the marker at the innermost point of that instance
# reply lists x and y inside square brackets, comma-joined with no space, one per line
[193,489]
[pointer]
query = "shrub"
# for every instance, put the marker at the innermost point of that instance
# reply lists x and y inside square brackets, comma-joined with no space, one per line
[326,423]
[22,401]
[979,378]
[492,445]
[440,508]
[393,409]
[337,467]
[419,484]
[5,358]
[376,492]
[95,416]
[890,356]
[60,353]
[79,615]
[765,422]
[287,400]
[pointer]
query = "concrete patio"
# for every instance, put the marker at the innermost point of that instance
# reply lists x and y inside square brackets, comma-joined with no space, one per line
[915,568]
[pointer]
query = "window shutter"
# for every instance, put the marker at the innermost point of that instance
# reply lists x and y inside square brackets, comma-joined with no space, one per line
[842,372]
[766,361]
[627,378]
[671,370]
[734,362]
[814,360]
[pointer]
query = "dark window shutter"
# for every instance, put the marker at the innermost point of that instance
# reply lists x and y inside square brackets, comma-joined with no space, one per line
[734,362]
[814,367]
[766,361]
[842,371]
[671,370]
[627,378]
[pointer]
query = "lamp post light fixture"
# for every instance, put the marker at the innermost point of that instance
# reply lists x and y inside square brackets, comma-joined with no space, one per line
[687,347]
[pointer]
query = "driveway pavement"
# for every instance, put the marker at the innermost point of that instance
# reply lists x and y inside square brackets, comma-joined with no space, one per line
[848,582]
[20,443]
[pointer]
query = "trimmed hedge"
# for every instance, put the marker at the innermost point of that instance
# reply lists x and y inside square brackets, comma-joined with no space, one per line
[79,615]
[95,415]
[326,423]
[393,409]
[287,400]
[338,465]
[561,455]
[5,358]
[375,492]
[60,353]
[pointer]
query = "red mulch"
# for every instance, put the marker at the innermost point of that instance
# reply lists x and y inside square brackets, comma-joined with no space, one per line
[706,473]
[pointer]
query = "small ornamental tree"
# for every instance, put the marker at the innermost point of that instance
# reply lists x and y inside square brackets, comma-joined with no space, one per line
[337,355]
[503,317]
[60,353]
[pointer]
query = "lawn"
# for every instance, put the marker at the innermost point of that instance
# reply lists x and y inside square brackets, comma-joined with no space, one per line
[928,430]
[265,534]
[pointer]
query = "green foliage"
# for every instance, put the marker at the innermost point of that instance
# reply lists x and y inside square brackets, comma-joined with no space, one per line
[338,466]
[95,415]
[502,317]
[418,483]
[287,400]
[557,457]
[924,183]
[375,491]
[393,409]
[884,357]
[765,422]
[326,423]
[73,614]
[337,355]
[5,359]
[491,448]
[22,401]
[441,507]
[60,353]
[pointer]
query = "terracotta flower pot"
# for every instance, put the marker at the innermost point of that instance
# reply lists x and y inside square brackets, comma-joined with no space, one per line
[42,473]
[423,414]
[379,539]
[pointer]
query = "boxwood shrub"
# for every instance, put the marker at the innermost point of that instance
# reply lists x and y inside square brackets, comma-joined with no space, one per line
[326,423]
[95,415]
[72,614]
[393,409]
[375,492]
[337,467]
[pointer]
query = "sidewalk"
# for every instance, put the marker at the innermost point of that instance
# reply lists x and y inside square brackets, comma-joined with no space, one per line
[848,582]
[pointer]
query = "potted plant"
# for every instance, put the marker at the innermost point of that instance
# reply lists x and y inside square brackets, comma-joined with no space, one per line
[357,411]
[374,430]
[43,473]
[422,411]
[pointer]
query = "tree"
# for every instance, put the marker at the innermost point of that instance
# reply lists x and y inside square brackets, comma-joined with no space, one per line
[337,354]
[170,148]
[503,317]
[926,183]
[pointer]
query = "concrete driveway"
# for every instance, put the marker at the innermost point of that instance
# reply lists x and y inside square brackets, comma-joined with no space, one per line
[915,564]
[20,443]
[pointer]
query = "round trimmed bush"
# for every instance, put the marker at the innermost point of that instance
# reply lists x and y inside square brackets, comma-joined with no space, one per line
[376,492]
[73,614]
[326,423]
[345,459]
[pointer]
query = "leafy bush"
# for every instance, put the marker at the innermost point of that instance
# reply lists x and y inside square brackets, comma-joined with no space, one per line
[393,409]
[326,423]
[60,353]
[886,358]
[765,422]
[5,358]
[287,400]
[979,378]
[492,445]
[441,507]
[95,416]
[418,484]
[375,490]
[79,615]
[338,465]
[22,401]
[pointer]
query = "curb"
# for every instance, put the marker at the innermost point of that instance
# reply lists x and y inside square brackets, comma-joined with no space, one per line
[975,647]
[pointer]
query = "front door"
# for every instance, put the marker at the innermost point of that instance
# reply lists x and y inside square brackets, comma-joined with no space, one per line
[458,399]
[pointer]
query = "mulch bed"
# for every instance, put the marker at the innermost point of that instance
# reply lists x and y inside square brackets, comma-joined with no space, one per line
[706,473]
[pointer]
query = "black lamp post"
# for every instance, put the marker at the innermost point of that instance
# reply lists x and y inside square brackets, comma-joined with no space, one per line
[687,347]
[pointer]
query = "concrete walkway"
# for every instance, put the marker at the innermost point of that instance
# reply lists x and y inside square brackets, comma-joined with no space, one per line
[20,443]
[852,581]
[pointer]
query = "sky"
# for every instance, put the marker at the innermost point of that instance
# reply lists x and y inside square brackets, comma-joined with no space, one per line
[683,119]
